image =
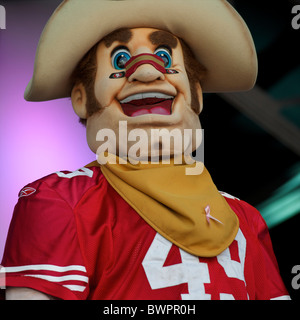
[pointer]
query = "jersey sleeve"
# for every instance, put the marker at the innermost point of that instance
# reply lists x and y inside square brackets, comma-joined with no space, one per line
[274,287]
[42,250]
[277,288]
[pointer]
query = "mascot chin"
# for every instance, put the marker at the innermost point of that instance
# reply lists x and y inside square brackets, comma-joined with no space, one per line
[144,221]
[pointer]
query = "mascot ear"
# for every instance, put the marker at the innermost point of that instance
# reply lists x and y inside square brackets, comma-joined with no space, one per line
[79,99]
[199,93]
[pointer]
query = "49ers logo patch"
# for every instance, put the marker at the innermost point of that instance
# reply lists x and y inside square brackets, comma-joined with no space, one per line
[26,192]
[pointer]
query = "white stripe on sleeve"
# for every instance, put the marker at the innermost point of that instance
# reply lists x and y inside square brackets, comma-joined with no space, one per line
[282,298]
[59,279]
[45,267]
[76,274]
[74,288]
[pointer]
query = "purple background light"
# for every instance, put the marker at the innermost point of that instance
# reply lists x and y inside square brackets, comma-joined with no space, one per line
[36,139]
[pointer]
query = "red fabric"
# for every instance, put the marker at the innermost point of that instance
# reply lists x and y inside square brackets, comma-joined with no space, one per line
[76,238]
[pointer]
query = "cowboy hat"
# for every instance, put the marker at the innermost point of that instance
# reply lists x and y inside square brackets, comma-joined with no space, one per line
[215,32]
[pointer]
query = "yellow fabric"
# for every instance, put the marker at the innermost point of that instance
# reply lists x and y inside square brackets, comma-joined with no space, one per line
[174,203]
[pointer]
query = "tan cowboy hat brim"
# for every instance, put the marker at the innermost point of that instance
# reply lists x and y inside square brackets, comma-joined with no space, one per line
[215,32]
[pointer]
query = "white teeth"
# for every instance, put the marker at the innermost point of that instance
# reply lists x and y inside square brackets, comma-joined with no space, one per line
[145,95]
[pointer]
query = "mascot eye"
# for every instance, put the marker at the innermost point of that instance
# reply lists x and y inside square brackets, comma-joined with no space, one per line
[120,58]
[165,55]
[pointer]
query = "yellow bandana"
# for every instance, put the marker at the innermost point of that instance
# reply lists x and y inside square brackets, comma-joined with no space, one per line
[187,210]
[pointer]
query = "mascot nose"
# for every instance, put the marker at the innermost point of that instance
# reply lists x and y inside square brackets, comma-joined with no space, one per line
[146,73]
[145,68]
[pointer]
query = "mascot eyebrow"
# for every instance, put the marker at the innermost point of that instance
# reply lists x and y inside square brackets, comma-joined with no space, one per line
[160,37]
[122,35]
[157,38]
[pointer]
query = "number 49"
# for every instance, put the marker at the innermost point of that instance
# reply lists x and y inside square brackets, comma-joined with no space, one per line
[190,270]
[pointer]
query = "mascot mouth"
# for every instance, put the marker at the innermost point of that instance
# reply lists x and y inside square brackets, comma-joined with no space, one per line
[147,103]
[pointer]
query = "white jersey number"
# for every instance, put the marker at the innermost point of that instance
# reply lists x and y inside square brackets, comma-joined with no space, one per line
[190,270]
[80,172]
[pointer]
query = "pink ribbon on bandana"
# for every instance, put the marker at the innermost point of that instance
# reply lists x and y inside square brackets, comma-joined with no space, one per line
[209,216]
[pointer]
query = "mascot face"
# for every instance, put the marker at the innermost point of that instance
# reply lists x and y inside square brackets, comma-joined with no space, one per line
[141,79]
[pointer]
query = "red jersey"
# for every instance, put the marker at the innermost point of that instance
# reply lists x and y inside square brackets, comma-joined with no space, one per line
[73,237]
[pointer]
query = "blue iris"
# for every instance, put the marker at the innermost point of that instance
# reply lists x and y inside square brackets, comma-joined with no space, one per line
[165,55]
[120,58]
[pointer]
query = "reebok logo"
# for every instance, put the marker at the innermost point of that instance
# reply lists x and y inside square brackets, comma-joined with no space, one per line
[26,192]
